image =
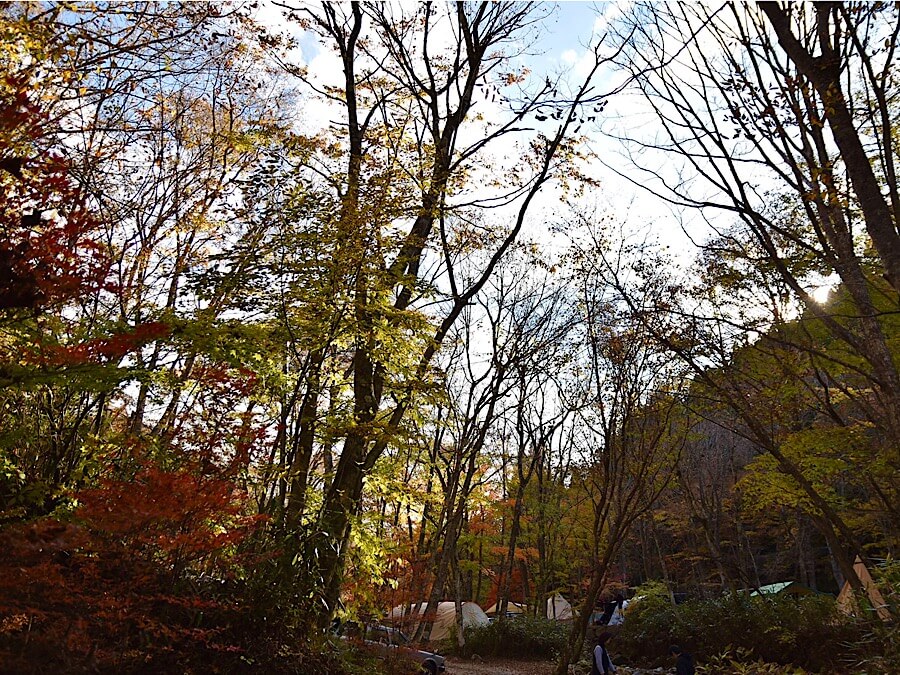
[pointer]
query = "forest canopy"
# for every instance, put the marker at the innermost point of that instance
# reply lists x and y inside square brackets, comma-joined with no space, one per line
[313,311]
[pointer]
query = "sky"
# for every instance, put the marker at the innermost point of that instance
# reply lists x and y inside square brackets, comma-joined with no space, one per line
[571,27]
[560,47]
[568,33]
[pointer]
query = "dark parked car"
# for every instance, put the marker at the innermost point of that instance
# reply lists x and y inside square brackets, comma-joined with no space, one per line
[387,641]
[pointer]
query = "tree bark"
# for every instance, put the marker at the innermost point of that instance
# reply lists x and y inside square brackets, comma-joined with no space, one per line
[824,73]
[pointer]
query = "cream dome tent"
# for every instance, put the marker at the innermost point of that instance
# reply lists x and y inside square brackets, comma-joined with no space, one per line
[559,608]
[444,619]
[511,608]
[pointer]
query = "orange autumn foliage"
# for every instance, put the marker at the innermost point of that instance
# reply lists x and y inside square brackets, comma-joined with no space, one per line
[116,588]
[174,517]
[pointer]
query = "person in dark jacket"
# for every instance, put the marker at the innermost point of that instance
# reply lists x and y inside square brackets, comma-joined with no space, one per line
[601,664]
[684,662]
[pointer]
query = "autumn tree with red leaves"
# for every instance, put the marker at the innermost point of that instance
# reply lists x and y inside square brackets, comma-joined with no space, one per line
[115,548]
[48,254]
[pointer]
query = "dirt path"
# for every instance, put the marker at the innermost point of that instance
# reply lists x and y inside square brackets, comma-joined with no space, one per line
[460,666]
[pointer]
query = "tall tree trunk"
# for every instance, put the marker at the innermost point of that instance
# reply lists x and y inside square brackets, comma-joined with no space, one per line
[824,72]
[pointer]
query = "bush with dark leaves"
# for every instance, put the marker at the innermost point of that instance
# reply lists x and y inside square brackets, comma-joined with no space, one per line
[520,637]
[781,630]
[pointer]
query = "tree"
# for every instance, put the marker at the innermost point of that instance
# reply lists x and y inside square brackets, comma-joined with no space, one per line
[846,37]
[746,122]
[405,104]
[632,427]
[528,326]
[540,410]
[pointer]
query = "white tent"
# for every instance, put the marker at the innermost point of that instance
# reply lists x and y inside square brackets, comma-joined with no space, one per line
[511,608]
[559,608]
[618,615]
[445,617]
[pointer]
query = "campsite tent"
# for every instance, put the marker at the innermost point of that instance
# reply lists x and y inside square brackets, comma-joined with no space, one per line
[847,603]
[511,608]
[444,619]
[783,588]
[559,608]
[618,615]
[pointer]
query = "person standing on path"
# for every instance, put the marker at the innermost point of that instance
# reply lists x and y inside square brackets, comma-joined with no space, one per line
[601,664]
[684,662]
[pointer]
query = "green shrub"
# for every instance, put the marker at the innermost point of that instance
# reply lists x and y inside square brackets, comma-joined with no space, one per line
[739,662]
[518,637]
[777,630]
